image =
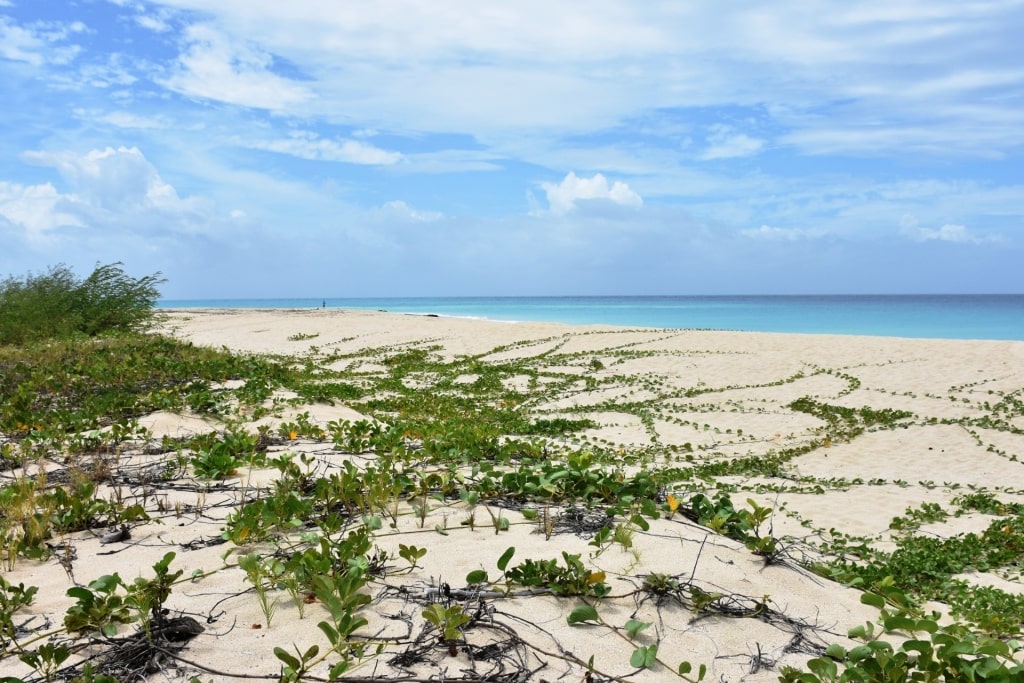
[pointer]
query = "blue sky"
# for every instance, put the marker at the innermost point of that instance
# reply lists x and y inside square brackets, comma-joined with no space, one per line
[259,148]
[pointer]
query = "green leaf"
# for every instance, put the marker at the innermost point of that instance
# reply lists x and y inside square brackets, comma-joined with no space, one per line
[287,658]
[836,651]
[900,622]
[960,648]
[338,669]
[872,599]
[824,668]
[637,659]
[922,646]
[106,583]
[860,652]
[83,594]
[476,576]
[644,657]
[633,627]
[506,557]
[582,613]
[863,631]
[332,633]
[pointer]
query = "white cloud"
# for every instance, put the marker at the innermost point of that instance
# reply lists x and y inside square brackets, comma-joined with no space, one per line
[767,232]
[125,119]
[398,209]
[156,24]
[34,208]
[725,143]
[114,179]
[563,196]
[451,161]
[545,68]
[37,44]
[114,72]
[19,44]
[950,232]
[308,146]
[215,67]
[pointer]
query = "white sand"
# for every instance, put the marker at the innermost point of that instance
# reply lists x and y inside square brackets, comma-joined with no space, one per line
[750,378]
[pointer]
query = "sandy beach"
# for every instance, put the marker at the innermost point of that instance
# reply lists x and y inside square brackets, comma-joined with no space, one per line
[663,399]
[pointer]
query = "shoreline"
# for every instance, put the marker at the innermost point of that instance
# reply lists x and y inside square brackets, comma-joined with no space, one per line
[936,317]
[440,316]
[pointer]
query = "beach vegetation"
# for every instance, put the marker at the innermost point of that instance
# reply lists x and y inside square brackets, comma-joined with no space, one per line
[453,438]
[925,650]
[57,304]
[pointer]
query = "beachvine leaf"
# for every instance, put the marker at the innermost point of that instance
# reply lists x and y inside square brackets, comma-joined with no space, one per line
[644,657]
[685,668]
[506,557]
[582,613]
[633,627]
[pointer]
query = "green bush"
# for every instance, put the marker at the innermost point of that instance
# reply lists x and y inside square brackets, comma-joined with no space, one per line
[57,304]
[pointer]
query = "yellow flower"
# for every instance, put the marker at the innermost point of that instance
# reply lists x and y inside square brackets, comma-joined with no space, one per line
[673,503]
[292,435]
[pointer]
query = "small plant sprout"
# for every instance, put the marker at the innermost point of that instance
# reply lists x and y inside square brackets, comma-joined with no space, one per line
[449,622]
[411,554]
[263,573]
[499,521]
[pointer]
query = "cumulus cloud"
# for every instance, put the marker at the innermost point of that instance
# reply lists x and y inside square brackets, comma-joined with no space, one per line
[309,146]
[217,68]
[110,178]
[563,196]
[113,197]
[35,209]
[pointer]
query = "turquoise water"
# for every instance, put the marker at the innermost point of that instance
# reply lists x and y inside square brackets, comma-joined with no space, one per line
[926,316]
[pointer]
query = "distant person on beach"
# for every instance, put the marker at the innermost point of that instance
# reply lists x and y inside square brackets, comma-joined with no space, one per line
[325,303]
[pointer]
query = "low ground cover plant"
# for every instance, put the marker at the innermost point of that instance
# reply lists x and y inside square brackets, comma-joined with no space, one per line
[457,437]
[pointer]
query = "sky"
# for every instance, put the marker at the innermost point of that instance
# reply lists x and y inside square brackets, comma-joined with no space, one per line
[372,148]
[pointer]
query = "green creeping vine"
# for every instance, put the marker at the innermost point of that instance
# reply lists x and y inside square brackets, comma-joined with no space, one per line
[490,432]
[928,652]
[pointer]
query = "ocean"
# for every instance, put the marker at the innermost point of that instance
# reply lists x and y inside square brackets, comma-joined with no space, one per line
[953,316]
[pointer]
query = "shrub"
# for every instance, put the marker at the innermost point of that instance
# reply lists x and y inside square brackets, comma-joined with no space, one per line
[56,304]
